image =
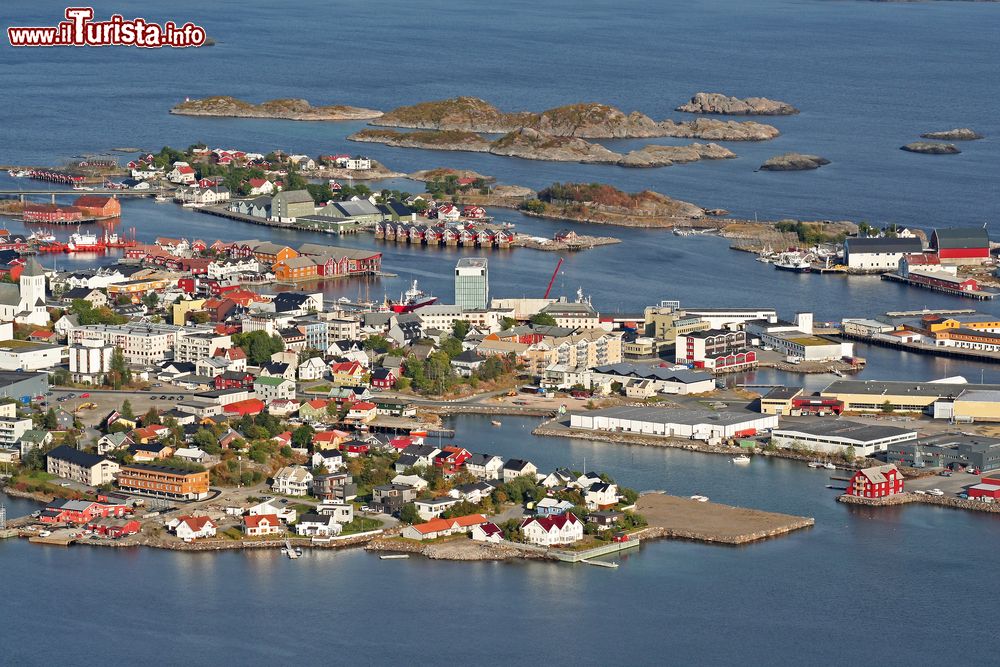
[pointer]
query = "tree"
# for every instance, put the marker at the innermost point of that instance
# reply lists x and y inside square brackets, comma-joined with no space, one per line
[302,436]
[543,319]
[151,417]
[507,323]
[850,453]
[451,346]
[460,329]
[888,408]
[50,421]
[377,343]
[533,206]
[151,300]
[258,346]
[408,513]
[119,374]
[126,409]
[204,438]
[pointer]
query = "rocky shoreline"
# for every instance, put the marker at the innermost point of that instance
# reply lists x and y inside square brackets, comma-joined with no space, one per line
[717,103]
[224,106]
[908,497]
[956,134]
[584,120]
[454,550]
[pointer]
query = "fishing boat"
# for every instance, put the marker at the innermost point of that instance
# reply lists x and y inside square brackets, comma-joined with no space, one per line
[794,262]
[41,237]
[742,459]
[411,300]
[84,242]
[394,557]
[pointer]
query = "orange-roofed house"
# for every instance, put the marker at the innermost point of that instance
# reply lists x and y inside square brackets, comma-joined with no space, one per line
[147,434]
[256,525]
[99,207]
[348,374]
[314,410]
[362,412]
[250,406]
[329,440]
[442,527]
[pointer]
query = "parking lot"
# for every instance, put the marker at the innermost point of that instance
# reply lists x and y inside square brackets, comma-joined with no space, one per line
[163,398]
[952,486]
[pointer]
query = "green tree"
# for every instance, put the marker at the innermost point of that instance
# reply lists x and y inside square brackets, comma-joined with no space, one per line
[258,346]
[119,375]
[204,438]
[533,206]
[507,323]
[126,410]
[888,408]
[543,319]
[151,300]
[451,346]
[408,513]
[460,329]
[302,436]
[151,417]
[50,421]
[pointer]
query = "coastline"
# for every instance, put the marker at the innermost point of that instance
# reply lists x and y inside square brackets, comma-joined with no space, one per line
[908,497]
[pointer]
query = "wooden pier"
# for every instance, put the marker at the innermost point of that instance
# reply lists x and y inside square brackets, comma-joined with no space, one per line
[980,295]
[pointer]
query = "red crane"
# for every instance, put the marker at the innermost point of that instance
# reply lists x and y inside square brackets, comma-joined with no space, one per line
[553,279]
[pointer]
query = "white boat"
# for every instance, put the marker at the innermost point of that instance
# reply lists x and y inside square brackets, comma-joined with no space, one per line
[700,499]
[161,199]
[815,464]
[743,459]
[920,493]
[42,237]
[829,466]
[935,492]
[495,422]
[45,533]
[393,556]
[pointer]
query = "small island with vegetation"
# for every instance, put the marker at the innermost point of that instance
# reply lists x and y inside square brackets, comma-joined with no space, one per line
[793,162]
[225,106]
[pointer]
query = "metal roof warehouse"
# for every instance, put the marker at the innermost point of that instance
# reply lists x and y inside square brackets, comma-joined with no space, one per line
[694,424]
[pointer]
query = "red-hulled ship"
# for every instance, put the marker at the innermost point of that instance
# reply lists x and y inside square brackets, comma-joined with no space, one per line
[411,300]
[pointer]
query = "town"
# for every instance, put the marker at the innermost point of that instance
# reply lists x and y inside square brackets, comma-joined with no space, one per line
[165,401]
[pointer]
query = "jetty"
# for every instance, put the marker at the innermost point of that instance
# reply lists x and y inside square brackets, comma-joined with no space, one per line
[940,284]
[683,518]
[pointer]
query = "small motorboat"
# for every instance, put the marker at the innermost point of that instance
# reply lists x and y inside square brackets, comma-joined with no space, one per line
[161,199]
[743,459]
[829,466]
[495,422]
[815,464]
[700,499]
[394,556]
[935,492]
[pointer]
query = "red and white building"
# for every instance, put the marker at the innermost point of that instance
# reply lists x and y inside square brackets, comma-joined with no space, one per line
[961,245]
[716,350]
[552,530]
[81,511]
[876,482]
[257,525]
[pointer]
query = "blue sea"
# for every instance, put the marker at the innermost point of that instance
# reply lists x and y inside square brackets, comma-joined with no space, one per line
[903,585]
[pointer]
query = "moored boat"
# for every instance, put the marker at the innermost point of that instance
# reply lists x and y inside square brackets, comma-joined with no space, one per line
[742,459]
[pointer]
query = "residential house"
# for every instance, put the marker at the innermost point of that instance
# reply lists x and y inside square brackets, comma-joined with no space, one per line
[313,368]
[274,388]
[292,480]
[473,493]
[317,525]
[272,506]
[601,495]
[348,374]
[70,463]
[434,507]
[876,482]
[383,378]
[485,466]
[438,527]
[552,507]
[331,459]
[338,486]
[416,481]
[260,525]
[515,468]
[487,532]
[190,528]
[390,498]
[341,512]
[552,530]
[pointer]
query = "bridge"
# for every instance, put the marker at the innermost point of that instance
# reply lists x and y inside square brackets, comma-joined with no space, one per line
[21,194]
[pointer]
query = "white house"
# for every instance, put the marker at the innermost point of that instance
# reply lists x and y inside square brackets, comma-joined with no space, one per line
[551,530]
[515,468]
[292,481]
[434,507]
[269,506]
[312,369]
[487,532]
[190,528]
[340,512]
[416,481]
[317,525]
[601,495]
[484,466]
[274,388]
[331,459]
[182,173]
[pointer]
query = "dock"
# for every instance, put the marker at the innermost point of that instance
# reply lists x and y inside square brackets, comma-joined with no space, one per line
[920,348]
[980,295]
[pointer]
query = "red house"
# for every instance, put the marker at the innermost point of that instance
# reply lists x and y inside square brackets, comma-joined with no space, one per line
[100,207]
[451,459]
[114,528]
[234,380]
[250,406]
[80,511]
[984,490]
[383,378]
[876,482]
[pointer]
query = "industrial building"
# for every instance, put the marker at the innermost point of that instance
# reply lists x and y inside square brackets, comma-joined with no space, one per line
[879,254]
[693,424]
[937,397]
[835,436]
[947,451]
[23,386]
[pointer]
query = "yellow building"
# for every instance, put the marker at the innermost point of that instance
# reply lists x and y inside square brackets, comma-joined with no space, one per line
[182,308]
[977,406]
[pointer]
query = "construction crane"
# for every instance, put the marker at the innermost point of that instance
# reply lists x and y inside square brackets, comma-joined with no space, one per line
[553,279]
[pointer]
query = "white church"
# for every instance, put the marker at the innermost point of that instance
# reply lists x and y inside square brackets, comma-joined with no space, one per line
[24,302]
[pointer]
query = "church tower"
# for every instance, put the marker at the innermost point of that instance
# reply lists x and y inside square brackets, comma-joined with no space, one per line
[32,283]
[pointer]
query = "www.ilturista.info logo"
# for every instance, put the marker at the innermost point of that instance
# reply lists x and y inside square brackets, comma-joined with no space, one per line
[79,29]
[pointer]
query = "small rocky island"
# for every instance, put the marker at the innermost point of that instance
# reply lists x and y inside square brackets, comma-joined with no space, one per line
[931,148]
[664,156]
[287,109]
[530,144]
[957,134]
[588,120]
[793,162]
[717,103]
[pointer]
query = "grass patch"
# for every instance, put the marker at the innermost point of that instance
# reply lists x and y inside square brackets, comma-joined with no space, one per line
[361,525]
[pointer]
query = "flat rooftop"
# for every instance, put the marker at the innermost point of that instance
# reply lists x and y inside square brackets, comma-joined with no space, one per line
[898,388]
[670,416]
[839,428]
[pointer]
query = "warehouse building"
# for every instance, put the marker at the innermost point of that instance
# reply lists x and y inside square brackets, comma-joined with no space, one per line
[961,245]
[936,398]
[878,254]
[947,451]
[693,424]
[779,400]
[835,436]
[14,384]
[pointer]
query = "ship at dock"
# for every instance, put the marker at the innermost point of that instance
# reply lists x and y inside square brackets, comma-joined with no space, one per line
[411,300]
[793,261]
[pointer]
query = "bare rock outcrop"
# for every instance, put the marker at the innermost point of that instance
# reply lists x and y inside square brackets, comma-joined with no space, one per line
[794,162]
[287,109]
[664,156]
[717,103]
[931,148]
[711,129]
[534,145]
[443,140]
[957,134]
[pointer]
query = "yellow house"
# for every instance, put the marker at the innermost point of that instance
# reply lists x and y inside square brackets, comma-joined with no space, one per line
[182,308]
[348,374]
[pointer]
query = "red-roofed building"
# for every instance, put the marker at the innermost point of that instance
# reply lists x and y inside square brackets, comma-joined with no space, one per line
[113,528]
[487,532]
[400,443]
[190,528]
[347,373]
[362,411]
[441,527]
[876,482]
[262,524]
[99,207]
[329,439]
[451,459]
[551,530]
[51,213]
[42,336]
[80,512]
[250,406]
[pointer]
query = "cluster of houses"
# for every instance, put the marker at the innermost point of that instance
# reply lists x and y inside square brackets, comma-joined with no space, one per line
[85,208]
[468,235]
